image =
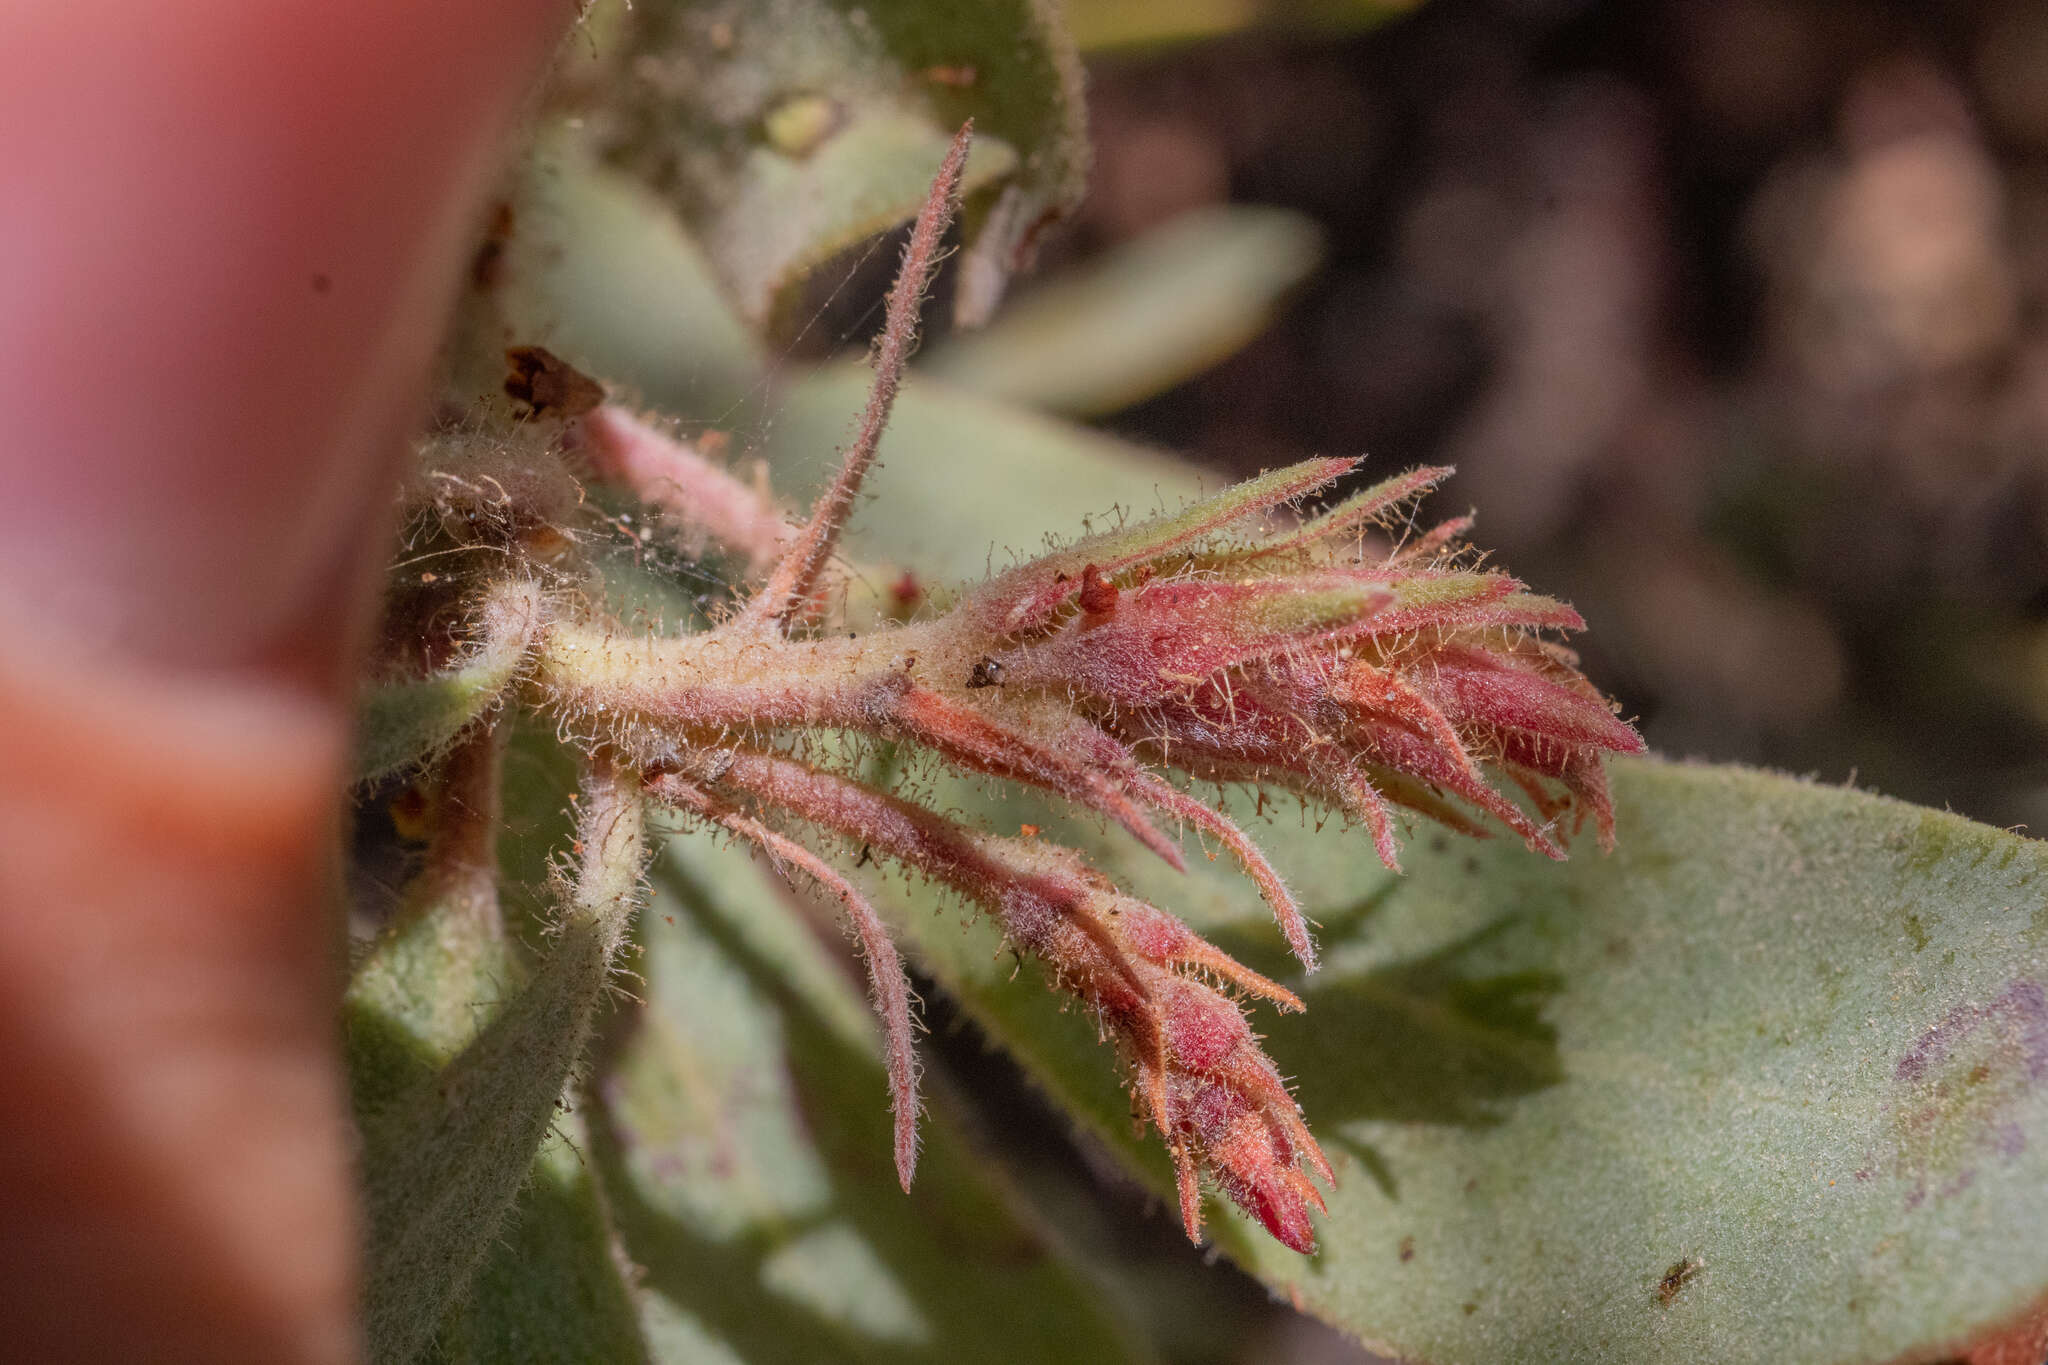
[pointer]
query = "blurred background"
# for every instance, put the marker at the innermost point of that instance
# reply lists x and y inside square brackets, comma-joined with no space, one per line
[1733,318]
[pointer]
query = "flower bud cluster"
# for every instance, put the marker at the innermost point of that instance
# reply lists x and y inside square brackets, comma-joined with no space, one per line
[1305,660]
[1223,643]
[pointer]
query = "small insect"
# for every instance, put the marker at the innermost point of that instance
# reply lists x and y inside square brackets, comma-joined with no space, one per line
[985,673]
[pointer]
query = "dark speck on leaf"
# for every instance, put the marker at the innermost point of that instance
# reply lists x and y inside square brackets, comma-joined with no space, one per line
[1676,1279]
[985,673]
[1407,1250]
[321,284]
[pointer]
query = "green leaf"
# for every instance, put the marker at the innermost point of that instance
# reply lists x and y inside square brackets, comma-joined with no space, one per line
[1101,24]
[456,1081]
[786,131]
[444,1161]
[1765,1084]
[745,1142]
[964,484]
[403,724]
[597,269]
[1149,315]
[552,1287]
[425,989]
[549,1287]
[410,722]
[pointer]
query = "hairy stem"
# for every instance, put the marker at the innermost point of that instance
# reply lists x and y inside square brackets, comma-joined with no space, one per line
[797,574]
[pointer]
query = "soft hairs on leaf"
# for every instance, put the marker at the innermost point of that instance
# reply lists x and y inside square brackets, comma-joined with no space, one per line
[446,1159]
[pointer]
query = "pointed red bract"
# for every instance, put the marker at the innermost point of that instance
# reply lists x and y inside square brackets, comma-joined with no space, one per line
[1141,971]
[887,983]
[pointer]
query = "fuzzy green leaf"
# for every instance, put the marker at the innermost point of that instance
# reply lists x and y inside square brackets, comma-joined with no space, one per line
[1763,1085]
[552,1288]
[549,1287]
[457,1079]
[746,1144]
[786,131]
[403,724]
[444,1161]
[407,723]
[1146,317]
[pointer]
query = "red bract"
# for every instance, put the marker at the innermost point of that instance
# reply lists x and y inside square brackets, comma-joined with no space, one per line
[1228,642]
[1199,1073]
[1306,661]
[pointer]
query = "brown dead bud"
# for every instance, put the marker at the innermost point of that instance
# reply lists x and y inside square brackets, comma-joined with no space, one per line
[549,385]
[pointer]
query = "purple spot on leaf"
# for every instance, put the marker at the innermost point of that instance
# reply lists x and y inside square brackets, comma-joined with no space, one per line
[1957,1087]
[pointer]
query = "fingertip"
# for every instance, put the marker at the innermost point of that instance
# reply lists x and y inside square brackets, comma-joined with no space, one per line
[228,243]
[172,1132]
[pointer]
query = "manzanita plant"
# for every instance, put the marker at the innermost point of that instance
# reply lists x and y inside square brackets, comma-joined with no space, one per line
[1209,643]
[1299,635]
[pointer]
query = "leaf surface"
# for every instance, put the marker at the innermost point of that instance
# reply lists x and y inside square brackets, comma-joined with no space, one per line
[458,1058]
[1149,315]
[950,494]
[402,724]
